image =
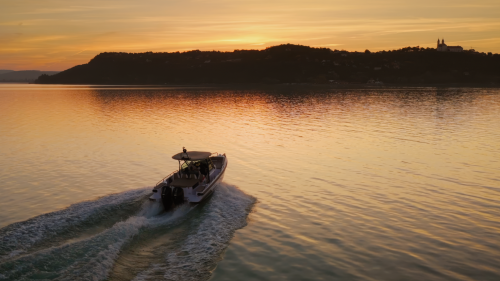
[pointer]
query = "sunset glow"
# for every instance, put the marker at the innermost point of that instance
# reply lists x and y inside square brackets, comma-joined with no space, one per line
[56,34]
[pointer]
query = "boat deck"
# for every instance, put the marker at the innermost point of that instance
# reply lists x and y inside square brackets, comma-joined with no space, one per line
[213,174]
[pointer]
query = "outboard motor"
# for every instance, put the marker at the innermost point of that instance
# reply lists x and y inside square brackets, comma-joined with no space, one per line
[171,197]
[167,198]
[178,196]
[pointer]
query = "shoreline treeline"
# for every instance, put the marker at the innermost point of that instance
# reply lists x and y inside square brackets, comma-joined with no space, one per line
[285,64]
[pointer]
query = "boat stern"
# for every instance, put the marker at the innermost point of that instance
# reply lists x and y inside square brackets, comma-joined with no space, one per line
[156,196]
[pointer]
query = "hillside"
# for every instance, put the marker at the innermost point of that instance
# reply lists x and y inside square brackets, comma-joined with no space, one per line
[2,71]
[285,64]
[23,75]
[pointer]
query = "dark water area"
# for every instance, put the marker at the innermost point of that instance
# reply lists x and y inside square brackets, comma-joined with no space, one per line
[322,184]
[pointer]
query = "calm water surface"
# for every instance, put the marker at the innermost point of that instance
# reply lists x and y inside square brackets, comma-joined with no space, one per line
[386,184]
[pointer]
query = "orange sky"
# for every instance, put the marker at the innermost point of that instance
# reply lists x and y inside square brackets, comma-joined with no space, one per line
[59,34]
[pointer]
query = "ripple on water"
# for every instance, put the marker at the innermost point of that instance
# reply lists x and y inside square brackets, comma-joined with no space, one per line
[204,244]
[386,184]
[19,237]
[94,257]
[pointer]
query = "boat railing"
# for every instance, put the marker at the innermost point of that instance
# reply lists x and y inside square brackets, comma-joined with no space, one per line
[162,180]
[171,174]
[217,154]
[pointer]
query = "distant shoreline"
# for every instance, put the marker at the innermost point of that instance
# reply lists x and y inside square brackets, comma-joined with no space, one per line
[288,64]
[282,85]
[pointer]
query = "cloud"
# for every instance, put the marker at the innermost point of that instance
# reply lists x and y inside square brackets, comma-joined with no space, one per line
[59,29]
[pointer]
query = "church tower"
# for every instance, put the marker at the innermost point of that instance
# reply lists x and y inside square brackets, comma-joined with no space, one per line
[441,47]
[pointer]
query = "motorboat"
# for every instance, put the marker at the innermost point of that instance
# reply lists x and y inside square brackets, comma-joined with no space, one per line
[198,175]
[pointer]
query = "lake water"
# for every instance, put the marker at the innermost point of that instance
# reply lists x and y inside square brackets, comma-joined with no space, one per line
[384,184]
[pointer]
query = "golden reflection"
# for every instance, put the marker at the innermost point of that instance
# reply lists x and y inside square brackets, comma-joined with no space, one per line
[343,179]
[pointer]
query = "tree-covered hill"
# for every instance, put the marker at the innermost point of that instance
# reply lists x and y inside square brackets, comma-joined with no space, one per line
[284,64]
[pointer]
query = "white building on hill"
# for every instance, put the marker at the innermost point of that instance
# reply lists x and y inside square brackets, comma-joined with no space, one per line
[442,47]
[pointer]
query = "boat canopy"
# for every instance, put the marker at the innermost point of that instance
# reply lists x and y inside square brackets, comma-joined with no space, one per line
[192,155]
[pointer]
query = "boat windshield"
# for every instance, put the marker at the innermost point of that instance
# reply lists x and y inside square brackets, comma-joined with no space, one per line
[189,163]
[197,164]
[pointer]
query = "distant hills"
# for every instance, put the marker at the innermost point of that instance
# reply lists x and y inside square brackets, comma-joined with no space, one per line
[2,71]
[285,64]
[22,75]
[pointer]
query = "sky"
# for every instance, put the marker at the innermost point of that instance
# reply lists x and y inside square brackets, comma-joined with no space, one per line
[59,34]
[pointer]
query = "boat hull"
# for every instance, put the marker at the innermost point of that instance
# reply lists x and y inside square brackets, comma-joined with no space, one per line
[198,197]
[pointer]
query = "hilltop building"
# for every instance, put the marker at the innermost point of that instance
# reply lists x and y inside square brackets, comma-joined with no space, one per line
[442,47]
